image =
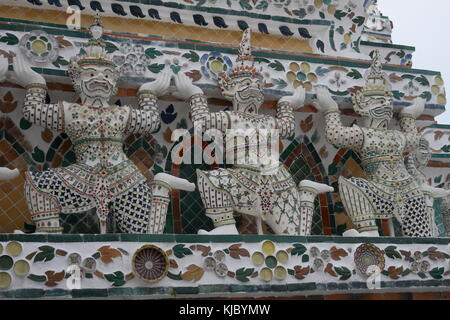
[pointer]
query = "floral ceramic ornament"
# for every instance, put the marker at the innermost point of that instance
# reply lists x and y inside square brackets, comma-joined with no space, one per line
[9,266]
[214,63]
[150,263]
[368,255]
[39,46]
[216,261]
[271,261]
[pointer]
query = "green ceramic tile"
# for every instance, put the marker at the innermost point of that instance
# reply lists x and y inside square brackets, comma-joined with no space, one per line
[57,293]
[215,288]
[89,293]
[28,237]
[101,237]
[65,238]
[120,292]
[28,293]
[128,237]
[186,290]
[156,238]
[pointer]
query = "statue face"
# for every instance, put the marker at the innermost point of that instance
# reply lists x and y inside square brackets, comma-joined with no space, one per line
[246,95]
[379,111]
[97,82]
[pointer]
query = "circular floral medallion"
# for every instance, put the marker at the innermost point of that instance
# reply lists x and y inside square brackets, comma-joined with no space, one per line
[39,46]
[221,269]
[209,263]
[14,248]
[367,255]
[150,263]
[89,265]
[5,280]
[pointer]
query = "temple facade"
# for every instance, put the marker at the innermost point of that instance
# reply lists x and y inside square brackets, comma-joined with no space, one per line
[177,67]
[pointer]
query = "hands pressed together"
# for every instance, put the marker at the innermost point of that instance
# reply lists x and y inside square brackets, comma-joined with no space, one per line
[184,86]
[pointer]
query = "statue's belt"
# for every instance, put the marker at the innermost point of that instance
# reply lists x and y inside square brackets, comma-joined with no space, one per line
[393,158]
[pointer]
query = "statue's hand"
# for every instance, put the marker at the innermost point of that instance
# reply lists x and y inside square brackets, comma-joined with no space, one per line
[23,74]
[159,86]
[414,110]
[324,101]
[185,88]
[297,100]
[3,67]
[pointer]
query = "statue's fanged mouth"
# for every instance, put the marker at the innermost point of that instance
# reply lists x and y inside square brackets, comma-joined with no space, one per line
[95,85]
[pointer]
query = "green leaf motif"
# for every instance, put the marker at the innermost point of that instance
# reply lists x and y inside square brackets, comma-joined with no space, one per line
[422,275]
[245,5]
[392,253]
[9,39]
[180,251]
[398,95]
[339,14]
[354,74]
[426,95]
[111,47]
[25,124]
[176,277]
[423,80]
[305,258]
[242,274]
[298,249]
[152,53]
[406,272]
[96,255]
[320,71]
[38,155]
[359,20]
[344,272]
[191,56]
[438,179]
[117,278]
[277,65]
[437,272]
[36,278]
[262,5]
[156,67]
[322,15]
[408,76]
[291,272]
[60,62]
[400,54]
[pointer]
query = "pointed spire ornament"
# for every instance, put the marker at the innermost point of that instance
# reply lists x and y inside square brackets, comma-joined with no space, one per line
[376,86]
[244,67]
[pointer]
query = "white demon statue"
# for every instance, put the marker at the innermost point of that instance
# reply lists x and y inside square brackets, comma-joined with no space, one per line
[103,177]
[257,183]
[389,190]
[415,163]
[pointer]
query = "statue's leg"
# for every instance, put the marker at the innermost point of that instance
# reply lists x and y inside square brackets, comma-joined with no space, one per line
[44,208]
[358,206]
[218,206]
[416,221]
[308,192]
[131,208]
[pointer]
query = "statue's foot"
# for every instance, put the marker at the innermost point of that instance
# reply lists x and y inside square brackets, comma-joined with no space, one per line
[351,233]
[8,174]
[373,233]
[319,187]
[175,182]
[226,229]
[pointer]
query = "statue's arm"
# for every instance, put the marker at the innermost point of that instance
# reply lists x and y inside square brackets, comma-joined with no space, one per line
[285,118]
[203,118]
[336,133]
[35,110]
[407,123]
[146,118]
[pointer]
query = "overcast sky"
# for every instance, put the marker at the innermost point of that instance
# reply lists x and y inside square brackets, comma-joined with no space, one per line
[424,25]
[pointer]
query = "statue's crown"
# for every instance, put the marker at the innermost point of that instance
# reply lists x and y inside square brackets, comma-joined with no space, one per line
[244,66]
[376,84]
[95,52]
